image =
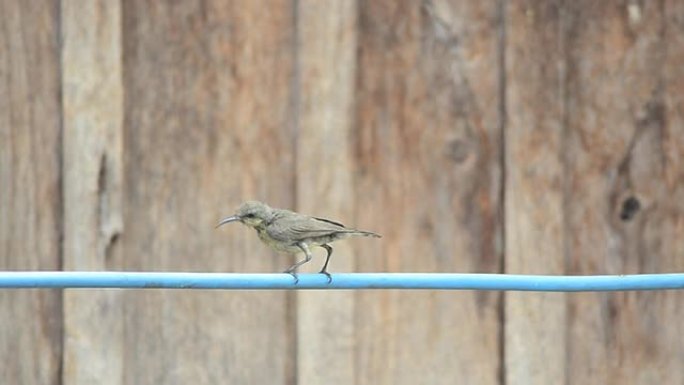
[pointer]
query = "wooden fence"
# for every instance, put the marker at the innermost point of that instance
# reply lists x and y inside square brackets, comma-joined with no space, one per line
[511,136]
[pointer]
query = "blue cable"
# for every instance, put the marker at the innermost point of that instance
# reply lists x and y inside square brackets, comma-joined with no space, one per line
[432,281]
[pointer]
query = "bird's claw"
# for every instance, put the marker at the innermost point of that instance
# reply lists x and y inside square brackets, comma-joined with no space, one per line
[327,275]
[293,274]
[296,278]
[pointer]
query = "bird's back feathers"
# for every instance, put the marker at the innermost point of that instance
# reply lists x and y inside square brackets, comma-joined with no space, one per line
[291,226]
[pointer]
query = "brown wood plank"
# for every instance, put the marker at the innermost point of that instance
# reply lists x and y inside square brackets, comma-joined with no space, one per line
[327,59]
[428,179]
[30,198]
[618,133]
[92,168]
[208,125]
[594,106]
[535,74]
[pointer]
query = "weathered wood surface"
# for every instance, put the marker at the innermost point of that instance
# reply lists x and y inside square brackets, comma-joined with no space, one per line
[30,196]
[595,126]
[535,323]
[92,97]
[428,178]
[326,73]
[208,123]
[550,133]
[619,142]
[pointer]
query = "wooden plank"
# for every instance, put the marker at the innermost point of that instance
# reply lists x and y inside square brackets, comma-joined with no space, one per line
[326,66]
[428,179]
[618,132]
[92,98]
[535,73]
[208,106]
[590,184]
[30,206]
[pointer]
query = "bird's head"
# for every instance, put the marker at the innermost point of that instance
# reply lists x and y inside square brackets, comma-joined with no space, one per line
[251,213]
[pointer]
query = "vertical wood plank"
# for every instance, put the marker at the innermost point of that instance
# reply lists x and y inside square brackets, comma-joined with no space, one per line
[663,231]
[619,137]
[326,65]
[93,116]
[30,199]
[604,114]
[535,223]
[208,125]
[428,179]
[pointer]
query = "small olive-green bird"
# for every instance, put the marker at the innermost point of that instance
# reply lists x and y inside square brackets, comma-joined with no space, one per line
[291,232]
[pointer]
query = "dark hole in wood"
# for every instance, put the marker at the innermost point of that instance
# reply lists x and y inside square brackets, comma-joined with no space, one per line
[630,207]
[457,150]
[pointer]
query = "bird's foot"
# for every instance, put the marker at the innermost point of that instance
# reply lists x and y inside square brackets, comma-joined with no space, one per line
[293,274]
[327,275]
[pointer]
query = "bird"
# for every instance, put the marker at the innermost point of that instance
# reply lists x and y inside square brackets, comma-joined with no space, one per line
[290,232]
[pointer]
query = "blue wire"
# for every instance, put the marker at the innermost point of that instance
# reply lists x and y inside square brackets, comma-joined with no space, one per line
[436,281]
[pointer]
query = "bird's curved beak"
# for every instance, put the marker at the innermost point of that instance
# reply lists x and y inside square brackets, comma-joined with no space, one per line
[223,221]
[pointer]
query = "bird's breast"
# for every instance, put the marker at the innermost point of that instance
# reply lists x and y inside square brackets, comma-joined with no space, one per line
[274,243]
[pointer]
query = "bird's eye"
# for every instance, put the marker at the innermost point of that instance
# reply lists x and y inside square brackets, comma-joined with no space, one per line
[249,215]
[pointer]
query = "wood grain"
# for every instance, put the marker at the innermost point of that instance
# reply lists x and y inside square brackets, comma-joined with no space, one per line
[92,95]
[30,197]
[327,73]
[208,125]
[428,178]
[535,185]
[618,129]
[592,117]
[548,131]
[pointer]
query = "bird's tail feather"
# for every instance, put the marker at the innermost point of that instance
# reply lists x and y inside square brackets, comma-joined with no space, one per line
[365,233]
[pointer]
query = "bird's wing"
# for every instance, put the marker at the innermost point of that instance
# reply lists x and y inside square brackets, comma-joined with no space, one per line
[329,221]
[295,228]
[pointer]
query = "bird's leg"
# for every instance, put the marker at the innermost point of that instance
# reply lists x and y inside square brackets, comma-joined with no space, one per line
[324,270]
[292,270]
